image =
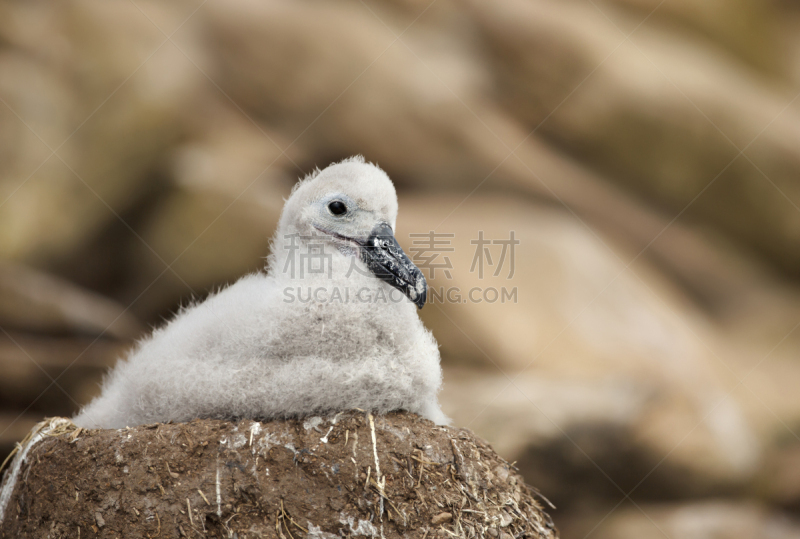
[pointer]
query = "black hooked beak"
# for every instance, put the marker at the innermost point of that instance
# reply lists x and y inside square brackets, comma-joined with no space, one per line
[386,259]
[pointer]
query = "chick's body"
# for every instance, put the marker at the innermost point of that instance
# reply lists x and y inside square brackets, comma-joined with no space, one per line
[318,333]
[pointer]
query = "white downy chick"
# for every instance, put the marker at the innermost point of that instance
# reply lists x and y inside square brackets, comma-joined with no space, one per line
[331,326]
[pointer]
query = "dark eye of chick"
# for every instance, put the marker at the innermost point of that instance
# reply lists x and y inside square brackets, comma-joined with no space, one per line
[337,208]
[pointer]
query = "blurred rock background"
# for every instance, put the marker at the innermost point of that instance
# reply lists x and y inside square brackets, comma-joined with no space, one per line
[646,155]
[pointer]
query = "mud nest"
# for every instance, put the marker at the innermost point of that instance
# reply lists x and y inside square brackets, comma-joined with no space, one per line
[348,475]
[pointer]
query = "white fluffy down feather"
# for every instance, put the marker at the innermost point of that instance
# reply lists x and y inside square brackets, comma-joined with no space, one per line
[263,349]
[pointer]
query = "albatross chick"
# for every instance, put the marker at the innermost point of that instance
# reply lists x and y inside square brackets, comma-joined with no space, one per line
[332,325]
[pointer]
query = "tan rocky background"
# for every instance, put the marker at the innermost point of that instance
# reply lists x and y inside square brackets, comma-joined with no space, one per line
[646,154]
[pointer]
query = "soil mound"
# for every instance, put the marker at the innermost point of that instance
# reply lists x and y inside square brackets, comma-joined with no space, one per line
[347,475]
